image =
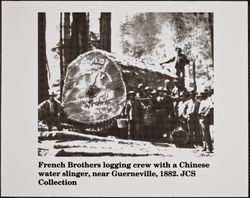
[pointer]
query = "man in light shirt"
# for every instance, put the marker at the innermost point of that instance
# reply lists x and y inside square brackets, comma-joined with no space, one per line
[205,110]
[190,112]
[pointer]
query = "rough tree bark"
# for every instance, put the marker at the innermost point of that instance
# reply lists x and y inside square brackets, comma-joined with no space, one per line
[211,22]
[75,45]
[84,32]
[67,47]
[80,34]
[61,59]
[43,85]
[105,31]
[194,76]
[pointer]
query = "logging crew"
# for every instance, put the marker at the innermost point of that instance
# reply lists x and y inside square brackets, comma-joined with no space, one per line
[50,110]
[135,113]
[180,62]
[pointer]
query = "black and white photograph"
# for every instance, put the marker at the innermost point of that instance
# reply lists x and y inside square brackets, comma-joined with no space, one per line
[124,99]
[137,84]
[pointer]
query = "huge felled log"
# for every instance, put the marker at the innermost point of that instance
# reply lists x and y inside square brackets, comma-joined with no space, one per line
[96,86]
[94,90]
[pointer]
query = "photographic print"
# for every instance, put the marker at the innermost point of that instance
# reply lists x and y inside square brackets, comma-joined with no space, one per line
[135,84]
[124,99]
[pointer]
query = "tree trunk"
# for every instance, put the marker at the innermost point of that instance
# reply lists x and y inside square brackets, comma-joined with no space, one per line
[79,38]
[43,85]
[194,76]
[105,31]
[211,21]
[84,32]
[75,44]
[66,48]
[61,59]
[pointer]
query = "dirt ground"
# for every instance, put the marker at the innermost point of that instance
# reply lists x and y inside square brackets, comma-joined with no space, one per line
[71,143]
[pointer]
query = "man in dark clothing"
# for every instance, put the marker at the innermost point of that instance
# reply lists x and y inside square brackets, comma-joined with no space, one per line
[165,112]
[141,94]
[167,86]
[148,100]
[154,101]
[50,110]
[135,112]
[180,62]
[175,97]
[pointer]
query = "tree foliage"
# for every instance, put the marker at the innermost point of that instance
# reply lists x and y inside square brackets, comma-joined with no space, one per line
[154,36]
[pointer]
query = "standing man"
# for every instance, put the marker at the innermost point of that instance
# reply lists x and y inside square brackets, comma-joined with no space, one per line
[180,62]
[141,94]
[205,110]
[167,86]
[175,96]
[51,110]
[165,112]
[135,112]
[154,100]
[148,102]
[190,112]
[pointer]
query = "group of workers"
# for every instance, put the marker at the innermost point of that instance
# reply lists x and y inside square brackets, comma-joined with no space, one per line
[156,113]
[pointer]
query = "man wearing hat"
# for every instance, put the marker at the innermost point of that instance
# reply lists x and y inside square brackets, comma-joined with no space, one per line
[175,96]
[205,111]
[51,110]
[148,101]
[148,90]
[167,86]
[154,95]
[190,112]
[180,62]
[175,93]
[134,110]
[165,112]
[141,95]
